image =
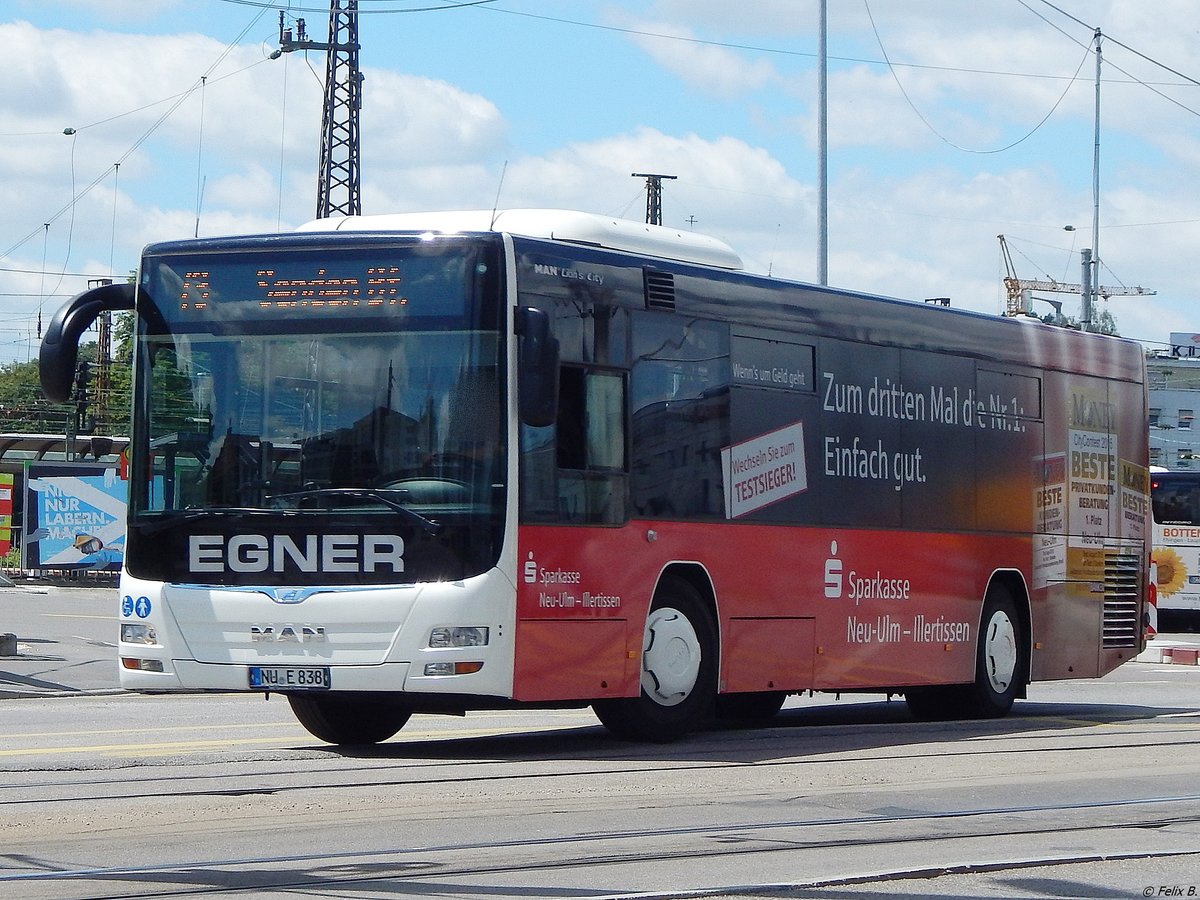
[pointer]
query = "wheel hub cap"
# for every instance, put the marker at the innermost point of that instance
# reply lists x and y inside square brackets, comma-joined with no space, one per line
[1000,652]
[670,657]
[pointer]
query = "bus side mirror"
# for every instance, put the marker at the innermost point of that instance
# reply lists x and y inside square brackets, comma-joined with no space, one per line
[537,368]
[60,346]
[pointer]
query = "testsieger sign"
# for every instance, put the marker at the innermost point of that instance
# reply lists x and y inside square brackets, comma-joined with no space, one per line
[764,470]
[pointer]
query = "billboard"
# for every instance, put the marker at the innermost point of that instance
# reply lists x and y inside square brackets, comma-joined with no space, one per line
[1185,345]
[6,510]
[74,517]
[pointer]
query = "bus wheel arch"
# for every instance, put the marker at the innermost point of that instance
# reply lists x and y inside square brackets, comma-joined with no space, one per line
[678,664]
[1002,659]
[1012,583]
[1002,650]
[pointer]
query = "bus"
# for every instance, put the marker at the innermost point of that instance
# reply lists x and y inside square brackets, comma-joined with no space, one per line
[434,463]
[1175,507]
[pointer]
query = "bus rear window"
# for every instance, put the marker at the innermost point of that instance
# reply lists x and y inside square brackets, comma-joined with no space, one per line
[1175,499]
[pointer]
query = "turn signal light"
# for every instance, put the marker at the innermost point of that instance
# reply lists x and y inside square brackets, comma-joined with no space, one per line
[452,668]
[142,665]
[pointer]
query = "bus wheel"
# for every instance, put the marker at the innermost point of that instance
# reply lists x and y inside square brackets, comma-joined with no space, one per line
[1000,655]
[999,659]
[756,707]
[932,704]
[353,719]
[679,670]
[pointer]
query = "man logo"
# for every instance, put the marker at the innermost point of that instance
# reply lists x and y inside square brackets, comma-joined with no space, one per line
[288,634]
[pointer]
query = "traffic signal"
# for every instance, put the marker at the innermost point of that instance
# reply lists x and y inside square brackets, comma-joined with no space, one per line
[84,424]
[83,378]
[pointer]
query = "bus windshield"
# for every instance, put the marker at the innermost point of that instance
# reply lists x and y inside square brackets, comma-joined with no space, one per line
[362,387]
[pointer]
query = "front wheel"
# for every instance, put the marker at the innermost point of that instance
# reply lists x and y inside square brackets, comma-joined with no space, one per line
[349,719]
[679,670]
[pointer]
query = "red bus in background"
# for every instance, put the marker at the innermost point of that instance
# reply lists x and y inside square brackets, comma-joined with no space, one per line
[433,463]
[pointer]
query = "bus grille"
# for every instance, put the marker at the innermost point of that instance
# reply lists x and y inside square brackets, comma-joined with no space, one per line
[1122,575]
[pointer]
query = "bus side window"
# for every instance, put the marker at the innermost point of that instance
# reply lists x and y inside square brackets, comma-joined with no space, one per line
[680,416]
[590,445]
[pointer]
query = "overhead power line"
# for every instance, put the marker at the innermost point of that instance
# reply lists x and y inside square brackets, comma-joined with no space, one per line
[77,196]
[1108,37]
[942,137]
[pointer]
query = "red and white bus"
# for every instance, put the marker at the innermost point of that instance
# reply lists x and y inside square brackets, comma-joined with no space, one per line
[1175,504]
[434,463]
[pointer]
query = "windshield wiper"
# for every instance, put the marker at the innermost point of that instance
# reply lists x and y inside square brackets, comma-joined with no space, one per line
[429,526]
[171,517]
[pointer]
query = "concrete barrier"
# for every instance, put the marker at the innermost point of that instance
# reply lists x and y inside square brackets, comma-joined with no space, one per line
[1180,656]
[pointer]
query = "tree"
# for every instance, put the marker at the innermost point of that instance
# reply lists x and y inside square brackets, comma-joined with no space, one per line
[1102,321]
[25,409]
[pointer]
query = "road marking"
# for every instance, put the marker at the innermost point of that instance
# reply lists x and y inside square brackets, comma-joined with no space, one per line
[283,740]
[143,749]
[225,726]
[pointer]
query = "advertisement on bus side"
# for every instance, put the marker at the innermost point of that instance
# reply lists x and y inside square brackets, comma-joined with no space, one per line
[1177,555]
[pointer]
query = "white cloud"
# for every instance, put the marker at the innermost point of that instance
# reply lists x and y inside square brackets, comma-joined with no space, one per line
[116,11]
[418,121]
[721,71]
[254,122]
[909,216]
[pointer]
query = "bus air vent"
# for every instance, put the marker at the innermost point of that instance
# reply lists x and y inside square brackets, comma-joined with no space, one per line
[1121,583]
[660,289]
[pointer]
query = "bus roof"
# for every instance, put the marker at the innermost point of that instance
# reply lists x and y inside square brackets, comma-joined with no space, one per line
[556,224]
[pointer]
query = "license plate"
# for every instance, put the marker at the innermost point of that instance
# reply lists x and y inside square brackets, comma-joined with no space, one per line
[289,678]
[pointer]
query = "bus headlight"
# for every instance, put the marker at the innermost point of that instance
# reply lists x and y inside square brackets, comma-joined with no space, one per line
[441,638]
[138,633]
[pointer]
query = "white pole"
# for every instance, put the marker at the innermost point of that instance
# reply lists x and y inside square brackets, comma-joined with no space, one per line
[1089,306]
[822,151]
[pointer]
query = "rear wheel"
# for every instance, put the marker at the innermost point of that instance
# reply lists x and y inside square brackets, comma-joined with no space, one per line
[999,659]
[679,670]
[349,719]
[1001,652]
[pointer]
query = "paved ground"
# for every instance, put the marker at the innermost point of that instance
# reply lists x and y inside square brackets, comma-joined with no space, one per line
[66,640]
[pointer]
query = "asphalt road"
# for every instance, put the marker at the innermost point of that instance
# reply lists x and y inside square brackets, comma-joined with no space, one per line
[1089,789]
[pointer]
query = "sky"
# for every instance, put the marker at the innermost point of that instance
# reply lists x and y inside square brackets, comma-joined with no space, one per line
[127,122]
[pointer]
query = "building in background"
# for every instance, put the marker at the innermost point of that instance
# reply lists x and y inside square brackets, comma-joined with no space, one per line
[1173,377]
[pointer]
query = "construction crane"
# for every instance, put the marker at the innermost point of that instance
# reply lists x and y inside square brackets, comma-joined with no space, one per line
[339,187]
[1020,290]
